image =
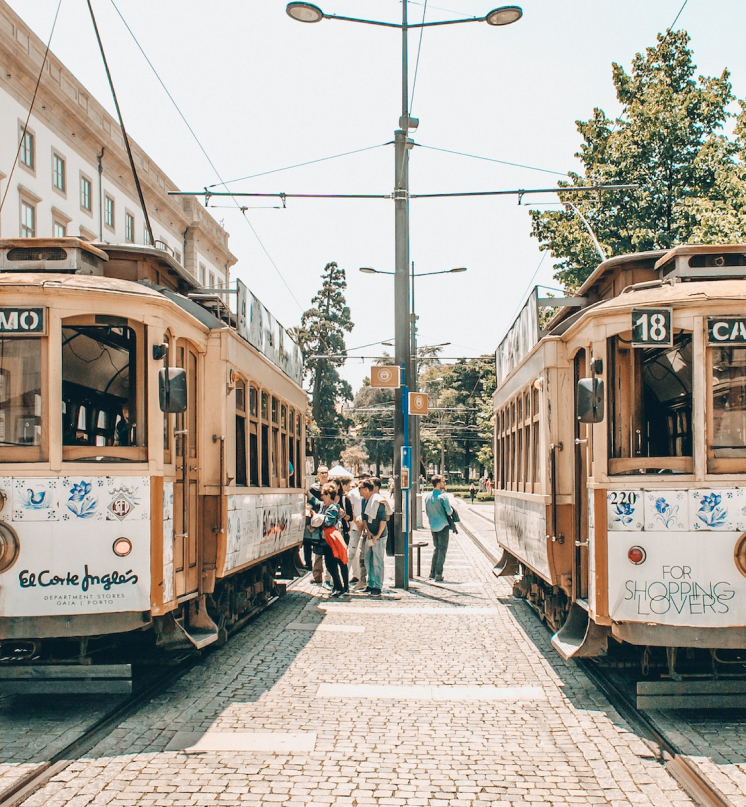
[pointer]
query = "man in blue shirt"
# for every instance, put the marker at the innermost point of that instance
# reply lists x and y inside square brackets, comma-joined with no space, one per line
[438,508]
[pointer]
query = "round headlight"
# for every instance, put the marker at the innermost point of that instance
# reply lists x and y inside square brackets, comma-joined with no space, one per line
[9,547]
[122,547]
[739,554]
[636,555]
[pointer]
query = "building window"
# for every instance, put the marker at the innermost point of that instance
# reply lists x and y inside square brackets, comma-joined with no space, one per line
[146,237]
[28,146]
[212,280]
[109,212]
[129,227]
[60,230]
[202,273]
[85,193]
[28,220]
[58,172]
[177,255]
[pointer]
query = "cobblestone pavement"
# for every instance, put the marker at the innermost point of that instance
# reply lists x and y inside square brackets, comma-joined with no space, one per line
[448,694]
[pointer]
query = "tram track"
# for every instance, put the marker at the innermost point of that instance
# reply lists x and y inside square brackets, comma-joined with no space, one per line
[36,778]
[682,768]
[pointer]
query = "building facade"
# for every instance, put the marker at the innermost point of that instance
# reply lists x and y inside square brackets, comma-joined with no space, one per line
[72,175]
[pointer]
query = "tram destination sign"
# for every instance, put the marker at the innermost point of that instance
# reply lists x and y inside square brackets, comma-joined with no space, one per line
[651,327]
[726,330]
[22,321]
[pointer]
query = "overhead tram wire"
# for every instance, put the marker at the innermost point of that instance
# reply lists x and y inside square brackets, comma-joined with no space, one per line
[31,106]
[207,157]
[417,60]
[121,126]
[491,160]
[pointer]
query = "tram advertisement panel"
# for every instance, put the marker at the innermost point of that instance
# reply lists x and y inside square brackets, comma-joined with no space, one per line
[84,545]
[671,556]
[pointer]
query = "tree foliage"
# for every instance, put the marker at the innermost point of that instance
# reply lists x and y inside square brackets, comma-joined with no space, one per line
[669,141]
[375,429]
[321,337]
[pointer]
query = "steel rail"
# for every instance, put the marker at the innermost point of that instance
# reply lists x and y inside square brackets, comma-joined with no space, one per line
[687,773]
[32,781]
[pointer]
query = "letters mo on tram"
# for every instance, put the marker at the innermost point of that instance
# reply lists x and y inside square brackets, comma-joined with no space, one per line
[151,453]
[620,461]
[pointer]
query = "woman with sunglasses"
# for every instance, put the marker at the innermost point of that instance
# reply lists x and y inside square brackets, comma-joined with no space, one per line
[329,509]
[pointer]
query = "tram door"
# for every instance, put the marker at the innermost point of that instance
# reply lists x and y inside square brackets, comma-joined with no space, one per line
[186,556]
[582,430]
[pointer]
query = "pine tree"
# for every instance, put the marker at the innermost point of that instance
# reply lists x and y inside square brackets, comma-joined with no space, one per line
[322,335]
[669,141]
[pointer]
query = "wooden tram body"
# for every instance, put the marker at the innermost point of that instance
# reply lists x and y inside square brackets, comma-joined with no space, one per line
[620,462]
[120,520]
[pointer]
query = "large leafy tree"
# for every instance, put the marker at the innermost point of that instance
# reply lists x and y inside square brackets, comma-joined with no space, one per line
[669,141]
[321,337]
[374,419]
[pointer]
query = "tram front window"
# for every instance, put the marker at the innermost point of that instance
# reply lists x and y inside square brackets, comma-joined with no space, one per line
[728,432]
[651,407]
[99,396]
[20,392]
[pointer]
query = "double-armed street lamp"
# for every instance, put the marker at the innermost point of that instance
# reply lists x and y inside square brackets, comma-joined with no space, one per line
[309,13]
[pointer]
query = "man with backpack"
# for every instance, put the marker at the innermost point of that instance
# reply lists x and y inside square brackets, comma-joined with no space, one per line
[438,510]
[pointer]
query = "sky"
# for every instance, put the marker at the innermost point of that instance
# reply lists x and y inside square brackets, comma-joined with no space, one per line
[263,92]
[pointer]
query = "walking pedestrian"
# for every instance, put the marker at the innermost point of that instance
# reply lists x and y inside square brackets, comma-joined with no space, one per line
[472,491]
[374,518]
[438,508]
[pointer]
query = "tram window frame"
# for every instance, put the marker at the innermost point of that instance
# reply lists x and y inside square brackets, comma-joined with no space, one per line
[253,436]
[536,418]
[291,448]
[95,400]
[265,478]
[168,341]
[241,454]
[10,379]
[721,458]
[627,409]
[284,469]
[275,443]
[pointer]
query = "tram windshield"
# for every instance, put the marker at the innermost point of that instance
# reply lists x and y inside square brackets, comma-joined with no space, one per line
[99,376]
[728,432]
[651,408]
[20,391]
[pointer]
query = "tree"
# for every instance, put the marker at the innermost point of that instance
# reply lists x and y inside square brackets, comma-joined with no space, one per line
[376,429]
[669,141]
[354,457]
[321,337]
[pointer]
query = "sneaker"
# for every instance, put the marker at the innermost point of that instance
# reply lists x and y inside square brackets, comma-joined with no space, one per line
[375,592]
[315,582]
[337,593]
[438,578]
[355,580]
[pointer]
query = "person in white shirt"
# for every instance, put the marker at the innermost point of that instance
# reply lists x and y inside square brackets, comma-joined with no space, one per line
[356,548]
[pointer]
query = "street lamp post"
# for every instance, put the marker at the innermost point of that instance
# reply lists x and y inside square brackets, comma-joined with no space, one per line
[309,13]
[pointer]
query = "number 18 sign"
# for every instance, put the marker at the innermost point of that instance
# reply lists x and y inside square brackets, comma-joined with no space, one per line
[651,327]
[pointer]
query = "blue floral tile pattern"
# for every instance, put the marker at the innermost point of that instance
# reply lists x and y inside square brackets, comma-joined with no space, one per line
[666,510]
[81,499]
[625,510]
[722,509]
[35,499]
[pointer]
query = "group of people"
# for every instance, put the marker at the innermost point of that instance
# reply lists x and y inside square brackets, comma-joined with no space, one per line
[347,528]
[348,523]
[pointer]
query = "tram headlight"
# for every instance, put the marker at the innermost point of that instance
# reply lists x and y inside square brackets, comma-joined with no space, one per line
[122,547]
[636,555]
[9,547]
[739,554]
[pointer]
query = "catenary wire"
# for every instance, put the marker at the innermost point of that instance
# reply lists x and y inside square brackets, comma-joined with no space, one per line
[491,160]
[301,165]
[417,60]
[207,157]
[31,107]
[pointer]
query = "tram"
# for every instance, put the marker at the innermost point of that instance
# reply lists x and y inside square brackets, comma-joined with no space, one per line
[620,463]
[151,459]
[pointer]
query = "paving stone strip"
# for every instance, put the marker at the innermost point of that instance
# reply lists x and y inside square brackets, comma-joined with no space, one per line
[242,717]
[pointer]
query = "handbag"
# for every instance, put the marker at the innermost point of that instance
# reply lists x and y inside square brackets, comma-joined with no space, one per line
[453,519]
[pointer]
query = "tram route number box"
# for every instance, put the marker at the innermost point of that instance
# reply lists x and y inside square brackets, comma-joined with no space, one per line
[651,327]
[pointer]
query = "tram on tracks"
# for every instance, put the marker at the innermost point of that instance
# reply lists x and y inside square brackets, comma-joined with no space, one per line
[152,455]
[620,463]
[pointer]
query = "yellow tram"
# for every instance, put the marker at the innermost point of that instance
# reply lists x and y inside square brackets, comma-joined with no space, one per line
[151,456]
[620,462]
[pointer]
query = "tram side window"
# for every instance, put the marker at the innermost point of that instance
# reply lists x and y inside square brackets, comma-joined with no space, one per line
[650,404]
[727,428]
[240,395]
[99,395]
[265,440]
[253,436]
[20,392]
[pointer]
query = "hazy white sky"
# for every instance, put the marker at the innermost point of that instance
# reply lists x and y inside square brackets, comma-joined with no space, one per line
[264,92]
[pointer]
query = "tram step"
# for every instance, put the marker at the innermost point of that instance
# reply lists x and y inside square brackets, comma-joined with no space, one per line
[701,694]
[49,679]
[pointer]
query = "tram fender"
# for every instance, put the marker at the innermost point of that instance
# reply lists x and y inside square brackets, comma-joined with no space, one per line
[580,636]
[507,566]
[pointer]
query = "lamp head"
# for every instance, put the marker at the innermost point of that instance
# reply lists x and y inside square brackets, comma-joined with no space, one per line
[368,270]
[458,269]
[307,12]
[505,15]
